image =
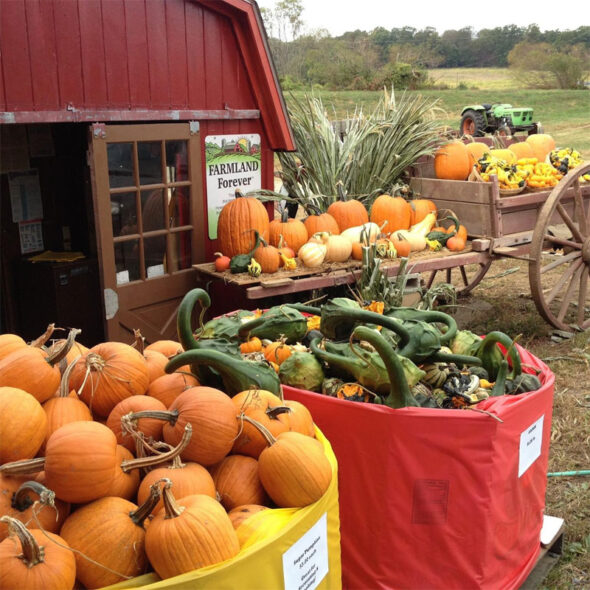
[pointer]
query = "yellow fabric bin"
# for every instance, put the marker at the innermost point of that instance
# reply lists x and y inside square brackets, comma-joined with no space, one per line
[303,555]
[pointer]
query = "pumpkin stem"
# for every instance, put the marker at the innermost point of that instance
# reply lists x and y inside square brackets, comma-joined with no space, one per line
[41,340]
[139,515]
[139,341]
[272,413]
[270,439]
[130,464]
[64,384]
[21,500]
[23,467]
[62,351]
[33,554]
[171,506]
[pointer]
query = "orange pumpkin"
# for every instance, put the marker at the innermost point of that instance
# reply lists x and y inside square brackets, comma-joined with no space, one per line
[239,514]
[541,144]
[196,532]
[109,531]
[522,149]
[65,407]
[17,500]
[237,482]
[213,418]
[318,222]
[264,407]
[403,247]
[23,425]
[252,345]
[300,418]
[168,387]
[277,352]
[80,461]
[125,483]
[10,343]
[293,231]
[475,151]
[188,478]
[149,427]
[108,373]
[23,564]
[451,161]
[168,348]
[347,212]
[236,224]
[394,212]
[268,257]
[420,208]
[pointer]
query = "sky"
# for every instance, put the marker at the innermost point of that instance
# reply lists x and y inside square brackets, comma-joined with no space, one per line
[339,16]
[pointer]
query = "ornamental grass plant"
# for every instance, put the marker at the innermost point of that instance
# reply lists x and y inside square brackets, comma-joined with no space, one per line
[367,153]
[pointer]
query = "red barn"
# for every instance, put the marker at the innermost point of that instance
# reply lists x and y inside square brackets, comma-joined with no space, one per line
[108,111]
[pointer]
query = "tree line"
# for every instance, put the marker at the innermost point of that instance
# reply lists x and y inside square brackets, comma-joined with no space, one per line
[364,60]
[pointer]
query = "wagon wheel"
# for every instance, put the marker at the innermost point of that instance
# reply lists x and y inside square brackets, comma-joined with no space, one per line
[559,268]
[464,277]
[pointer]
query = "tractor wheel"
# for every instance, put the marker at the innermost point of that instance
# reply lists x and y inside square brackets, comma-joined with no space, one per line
[472,123]
[505,131]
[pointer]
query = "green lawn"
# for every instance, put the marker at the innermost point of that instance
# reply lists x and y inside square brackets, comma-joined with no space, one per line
[563,113]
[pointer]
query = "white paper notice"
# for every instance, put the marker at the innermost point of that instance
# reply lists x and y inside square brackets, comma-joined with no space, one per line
[123,277]
[31,236]
[155,271]
[305,563]
[530,445]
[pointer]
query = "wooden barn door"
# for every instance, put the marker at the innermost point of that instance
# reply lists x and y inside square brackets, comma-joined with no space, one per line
[148,205]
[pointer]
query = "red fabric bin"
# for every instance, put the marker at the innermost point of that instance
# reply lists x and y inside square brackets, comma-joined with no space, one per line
[440,499]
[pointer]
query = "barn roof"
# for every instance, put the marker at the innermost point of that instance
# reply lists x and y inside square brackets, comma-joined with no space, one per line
[113,60]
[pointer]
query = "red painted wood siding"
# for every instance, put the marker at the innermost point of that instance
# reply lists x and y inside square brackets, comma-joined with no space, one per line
[119,54]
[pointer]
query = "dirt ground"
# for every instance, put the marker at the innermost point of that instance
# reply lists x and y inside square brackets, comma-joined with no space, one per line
[503,301]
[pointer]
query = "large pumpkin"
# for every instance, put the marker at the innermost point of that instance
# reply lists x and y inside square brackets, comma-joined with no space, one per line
[23,425]
[452,161]
[188,534]
[24,564]
[542,144]
[318,222]
[394,212]
[236,224]
[108,373]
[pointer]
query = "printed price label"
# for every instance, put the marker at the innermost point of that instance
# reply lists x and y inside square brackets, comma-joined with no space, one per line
[530,445]
[305,563]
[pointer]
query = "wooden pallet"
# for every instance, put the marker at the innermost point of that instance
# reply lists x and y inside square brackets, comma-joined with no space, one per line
[551,551]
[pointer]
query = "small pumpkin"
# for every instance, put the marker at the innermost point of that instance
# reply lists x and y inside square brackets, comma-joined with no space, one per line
[239,514]
[402,246]
[124,483]
[168,387]
[277,352]
[268,257]
[155,360]
[312,254]
[221,262]
[476,150]
[353,392]
[168,348]
[420,208]
[300,418]
[254,344]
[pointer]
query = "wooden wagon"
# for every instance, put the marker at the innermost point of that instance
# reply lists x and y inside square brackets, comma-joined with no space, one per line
[550,229]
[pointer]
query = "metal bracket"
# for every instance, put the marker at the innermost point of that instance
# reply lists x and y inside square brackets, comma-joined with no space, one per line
[99,130]
[194,127]
[111,303]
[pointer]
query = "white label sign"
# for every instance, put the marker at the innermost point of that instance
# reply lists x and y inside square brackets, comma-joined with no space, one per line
[305,563]
[530,445]
[232,162]
[155,271]
[123,277]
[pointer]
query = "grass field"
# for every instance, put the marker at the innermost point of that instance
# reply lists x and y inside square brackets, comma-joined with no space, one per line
[563,113]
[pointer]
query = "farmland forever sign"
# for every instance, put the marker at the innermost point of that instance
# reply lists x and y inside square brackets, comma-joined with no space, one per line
[232,162]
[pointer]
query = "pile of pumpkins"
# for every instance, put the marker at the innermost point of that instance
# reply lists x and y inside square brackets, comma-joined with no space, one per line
[396,225]
[455,160]
[111,467]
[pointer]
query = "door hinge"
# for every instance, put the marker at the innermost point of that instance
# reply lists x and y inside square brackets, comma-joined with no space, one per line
[194,127]
[111,303]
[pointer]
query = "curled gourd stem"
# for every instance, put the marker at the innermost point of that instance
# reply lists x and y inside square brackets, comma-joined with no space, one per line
[21,500]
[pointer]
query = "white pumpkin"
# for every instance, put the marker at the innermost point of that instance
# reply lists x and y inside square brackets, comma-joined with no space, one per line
[367,231]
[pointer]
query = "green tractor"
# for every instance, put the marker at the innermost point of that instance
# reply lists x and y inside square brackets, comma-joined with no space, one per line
[500,119]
